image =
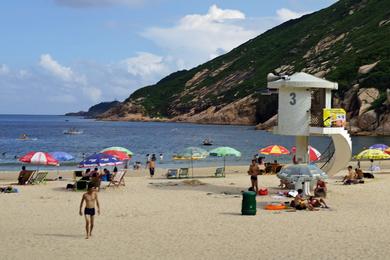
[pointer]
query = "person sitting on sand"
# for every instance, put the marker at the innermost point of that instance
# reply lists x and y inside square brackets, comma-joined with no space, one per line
[359,174]
[300,203]
[317,203]
[254,171]
[95,178]
[321,189]
[106,176]
[22,176]
[350,178]
[91,199]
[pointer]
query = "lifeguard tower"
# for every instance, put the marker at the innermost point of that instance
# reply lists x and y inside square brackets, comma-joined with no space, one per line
[305,109]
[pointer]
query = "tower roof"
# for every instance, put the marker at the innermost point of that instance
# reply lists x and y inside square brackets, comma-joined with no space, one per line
[302,80]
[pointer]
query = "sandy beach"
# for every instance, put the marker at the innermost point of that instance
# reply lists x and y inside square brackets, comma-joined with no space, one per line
[169,219]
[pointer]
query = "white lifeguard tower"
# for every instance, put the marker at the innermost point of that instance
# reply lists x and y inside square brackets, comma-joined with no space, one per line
[305,109]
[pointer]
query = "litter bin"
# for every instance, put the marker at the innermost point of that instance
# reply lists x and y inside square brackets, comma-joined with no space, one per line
[248,203]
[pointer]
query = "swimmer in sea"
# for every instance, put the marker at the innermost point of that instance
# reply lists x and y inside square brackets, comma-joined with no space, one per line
[91,199]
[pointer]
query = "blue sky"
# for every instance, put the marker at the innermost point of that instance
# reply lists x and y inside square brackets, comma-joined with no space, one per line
[58,56]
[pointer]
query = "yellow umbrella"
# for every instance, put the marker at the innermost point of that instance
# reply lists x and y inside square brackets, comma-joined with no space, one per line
[373,154]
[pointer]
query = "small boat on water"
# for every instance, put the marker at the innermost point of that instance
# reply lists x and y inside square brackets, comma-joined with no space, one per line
[25,137]
[207,142]
[73,131]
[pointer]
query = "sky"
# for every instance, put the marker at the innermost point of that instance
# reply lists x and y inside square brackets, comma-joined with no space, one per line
[58,56]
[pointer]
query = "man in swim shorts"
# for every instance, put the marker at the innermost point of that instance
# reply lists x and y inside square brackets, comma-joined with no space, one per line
[90,198]
[254,171]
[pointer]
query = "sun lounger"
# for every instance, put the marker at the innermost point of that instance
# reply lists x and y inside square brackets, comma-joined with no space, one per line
[220,172]
[118,179]
[38,178]
[172,173]
[28,175]
[183,173]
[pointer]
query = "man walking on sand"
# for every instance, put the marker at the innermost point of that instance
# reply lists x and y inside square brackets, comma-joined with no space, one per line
[90,198]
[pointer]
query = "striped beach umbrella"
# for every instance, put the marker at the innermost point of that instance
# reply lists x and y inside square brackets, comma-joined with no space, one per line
[314,154]
[38,158]
[118,148]
[118,154]
[274,150]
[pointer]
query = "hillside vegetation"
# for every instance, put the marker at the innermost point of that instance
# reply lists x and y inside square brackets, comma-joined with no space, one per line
[334,43]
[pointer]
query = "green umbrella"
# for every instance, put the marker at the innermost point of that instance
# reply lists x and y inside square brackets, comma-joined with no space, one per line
[191,154]
[223,152]
[117,148]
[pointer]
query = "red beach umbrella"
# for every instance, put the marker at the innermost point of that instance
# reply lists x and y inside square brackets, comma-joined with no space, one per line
[314,154]
[38,158]
[118,154]
[274,150]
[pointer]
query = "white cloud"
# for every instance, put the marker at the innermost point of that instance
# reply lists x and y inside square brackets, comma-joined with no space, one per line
[145,64]
[202,36]
[97,3]
[51,65]
[285,14]
[65,99]
[4,70]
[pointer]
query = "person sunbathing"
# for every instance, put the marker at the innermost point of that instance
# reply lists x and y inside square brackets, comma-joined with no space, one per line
[359,174]
[317,203]
[300,203]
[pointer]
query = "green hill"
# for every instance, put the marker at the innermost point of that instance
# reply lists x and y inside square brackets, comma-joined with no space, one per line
[333,43]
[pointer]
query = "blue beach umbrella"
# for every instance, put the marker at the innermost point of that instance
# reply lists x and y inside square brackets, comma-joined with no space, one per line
[100,159]
[62,156]
[381,147]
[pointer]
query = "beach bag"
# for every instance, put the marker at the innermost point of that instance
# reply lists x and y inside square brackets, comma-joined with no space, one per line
[263,192]
[70,186]
[368,175]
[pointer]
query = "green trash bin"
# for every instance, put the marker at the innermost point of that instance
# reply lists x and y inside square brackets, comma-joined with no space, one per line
[248,203]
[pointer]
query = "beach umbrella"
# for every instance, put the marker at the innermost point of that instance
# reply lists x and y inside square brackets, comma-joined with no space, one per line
[38,158]
[314,154]
[99,159]
[191,153]
[118,154]
[224,151]
[381,147]
[274,150]
[372,154]
[118,148]
[387,151]
[62,156]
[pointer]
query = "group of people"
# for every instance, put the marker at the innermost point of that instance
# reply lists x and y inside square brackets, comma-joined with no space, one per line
[300,203]
[353,176]
[95,177]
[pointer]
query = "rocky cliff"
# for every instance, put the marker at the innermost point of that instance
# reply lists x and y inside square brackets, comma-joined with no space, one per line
[348,42]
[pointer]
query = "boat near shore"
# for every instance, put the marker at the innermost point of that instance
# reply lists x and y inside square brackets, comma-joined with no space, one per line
[73,131]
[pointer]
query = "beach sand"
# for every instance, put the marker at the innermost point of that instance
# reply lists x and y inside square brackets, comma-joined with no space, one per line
[168,219]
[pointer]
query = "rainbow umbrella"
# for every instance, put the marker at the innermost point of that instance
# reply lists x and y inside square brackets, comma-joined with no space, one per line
[275,150]
[373,154]
[118,154]
[118,148]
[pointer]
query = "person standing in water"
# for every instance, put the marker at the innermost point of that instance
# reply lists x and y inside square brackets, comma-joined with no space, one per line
[91,199]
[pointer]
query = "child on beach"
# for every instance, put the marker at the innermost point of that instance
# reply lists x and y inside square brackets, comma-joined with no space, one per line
[90,198]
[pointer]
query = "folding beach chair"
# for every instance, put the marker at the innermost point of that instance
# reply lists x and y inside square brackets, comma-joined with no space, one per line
[172,173]
[118,179]
[38,178]
[28,175]
[183,173]
[220,172]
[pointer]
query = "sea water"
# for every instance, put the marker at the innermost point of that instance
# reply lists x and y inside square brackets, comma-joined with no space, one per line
[47,134]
